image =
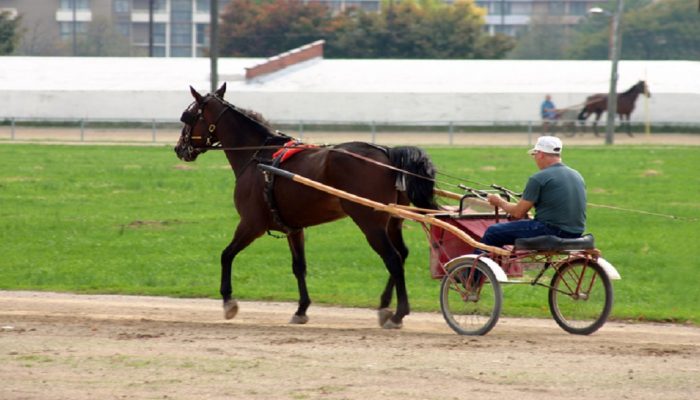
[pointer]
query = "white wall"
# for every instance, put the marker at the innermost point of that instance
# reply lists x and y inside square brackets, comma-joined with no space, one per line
[336,90]
[444,107]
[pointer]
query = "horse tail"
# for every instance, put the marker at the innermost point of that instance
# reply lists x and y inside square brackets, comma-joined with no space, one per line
[420,182]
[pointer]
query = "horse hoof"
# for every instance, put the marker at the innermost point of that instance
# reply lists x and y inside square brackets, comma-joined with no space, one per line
[299,319]
[384,315]
[230,309]
[389,324]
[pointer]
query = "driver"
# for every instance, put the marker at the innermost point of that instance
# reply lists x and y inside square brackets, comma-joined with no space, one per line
[558,194]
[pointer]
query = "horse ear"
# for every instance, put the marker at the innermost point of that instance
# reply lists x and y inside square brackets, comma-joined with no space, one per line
[220,92]
[196,95]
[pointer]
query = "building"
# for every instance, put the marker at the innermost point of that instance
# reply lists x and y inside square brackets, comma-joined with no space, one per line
[513,17]
[56,27]
[181,27]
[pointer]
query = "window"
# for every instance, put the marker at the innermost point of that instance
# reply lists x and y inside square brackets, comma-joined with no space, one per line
[181,11]
[158,5]
[124,28]
[521,9]
[501,8]
[578,8]
[181,34]
[557,8]
[159,33]
[181,28]
[121,6]
[140,33]
[79,4]
[203,6]
[66,29]
[203,34]
[180,52]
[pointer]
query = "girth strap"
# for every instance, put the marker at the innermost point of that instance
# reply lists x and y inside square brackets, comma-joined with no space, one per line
[271,201]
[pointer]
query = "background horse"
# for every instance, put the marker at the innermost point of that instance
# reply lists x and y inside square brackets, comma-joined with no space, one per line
[247,140]
[598,104]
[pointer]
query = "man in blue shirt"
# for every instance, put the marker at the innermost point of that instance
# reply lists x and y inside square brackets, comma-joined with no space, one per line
[548,112]
[558,194]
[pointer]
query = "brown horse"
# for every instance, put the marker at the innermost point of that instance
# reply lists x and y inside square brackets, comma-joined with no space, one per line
[598,104]
[286,206]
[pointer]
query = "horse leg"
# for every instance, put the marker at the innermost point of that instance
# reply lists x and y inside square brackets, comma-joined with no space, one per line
[243,237]
[379,240]
[629,126]
[595,124]
[296,246]
[396,236]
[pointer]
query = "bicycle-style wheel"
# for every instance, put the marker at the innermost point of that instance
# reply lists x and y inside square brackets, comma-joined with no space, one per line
[580,297]
[470,298]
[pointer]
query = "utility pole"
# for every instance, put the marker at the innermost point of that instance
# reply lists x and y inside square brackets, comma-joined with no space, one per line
[150,28]
[75,27]
[214,44]
[615,52]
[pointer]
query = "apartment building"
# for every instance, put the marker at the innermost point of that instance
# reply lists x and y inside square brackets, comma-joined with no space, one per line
[510,17]
[513,17]
[181,27]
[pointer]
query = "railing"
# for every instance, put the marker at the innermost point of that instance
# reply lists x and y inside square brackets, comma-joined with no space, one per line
[426,132]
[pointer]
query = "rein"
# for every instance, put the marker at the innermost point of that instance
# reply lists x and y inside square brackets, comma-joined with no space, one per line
[229,106]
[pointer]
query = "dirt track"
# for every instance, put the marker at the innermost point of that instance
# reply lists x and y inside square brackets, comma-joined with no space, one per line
[62,346]
[170,136]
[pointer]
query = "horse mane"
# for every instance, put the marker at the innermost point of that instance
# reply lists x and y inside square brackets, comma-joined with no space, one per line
[634,88]
[261,124]
[255,116]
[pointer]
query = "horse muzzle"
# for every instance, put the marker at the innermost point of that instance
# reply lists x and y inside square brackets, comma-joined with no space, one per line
[185,151]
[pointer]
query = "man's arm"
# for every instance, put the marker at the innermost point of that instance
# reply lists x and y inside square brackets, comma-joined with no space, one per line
[517,210]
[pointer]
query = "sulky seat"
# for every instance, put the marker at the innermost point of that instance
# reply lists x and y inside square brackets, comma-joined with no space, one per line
[555,243]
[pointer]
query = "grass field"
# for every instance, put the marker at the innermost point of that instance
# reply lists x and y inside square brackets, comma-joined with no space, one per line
[136,220]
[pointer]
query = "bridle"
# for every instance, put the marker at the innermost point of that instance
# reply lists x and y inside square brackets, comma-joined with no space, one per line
[192,117]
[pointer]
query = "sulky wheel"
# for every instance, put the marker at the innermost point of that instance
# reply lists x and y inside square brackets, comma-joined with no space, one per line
[470,298]
[580,297]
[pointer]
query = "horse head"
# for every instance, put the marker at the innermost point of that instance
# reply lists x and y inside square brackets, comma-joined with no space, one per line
[200,118]
[646,89]
[642,88]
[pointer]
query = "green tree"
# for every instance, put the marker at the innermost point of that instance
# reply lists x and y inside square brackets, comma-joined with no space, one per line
[664,30]
[9,33]
[354,34]
[406,29]
[102,39]
[429,29]
[262,29]
[542,41]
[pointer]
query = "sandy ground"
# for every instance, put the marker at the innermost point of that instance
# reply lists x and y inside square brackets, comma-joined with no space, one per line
[63,346]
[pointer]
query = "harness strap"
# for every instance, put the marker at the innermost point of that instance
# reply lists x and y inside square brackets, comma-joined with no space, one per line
[270,199]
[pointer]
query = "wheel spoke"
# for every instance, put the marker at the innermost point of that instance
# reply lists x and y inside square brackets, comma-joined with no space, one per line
[580,297]
[469,308]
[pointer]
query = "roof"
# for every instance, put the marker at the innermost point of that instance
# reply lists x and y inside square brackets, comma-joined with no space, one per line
[328,75]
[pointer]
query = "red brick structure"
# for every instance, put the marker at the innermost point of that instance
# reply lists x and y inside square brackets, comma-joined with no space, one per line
[286,59]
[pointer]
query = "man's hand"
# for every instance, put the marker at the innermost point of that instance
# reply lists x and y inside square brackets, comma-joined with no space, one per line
[495,200]
[518,210]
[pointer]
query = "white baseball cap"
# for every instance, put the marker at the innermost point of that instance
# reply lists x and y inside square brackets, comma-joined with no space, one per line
[547,144]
